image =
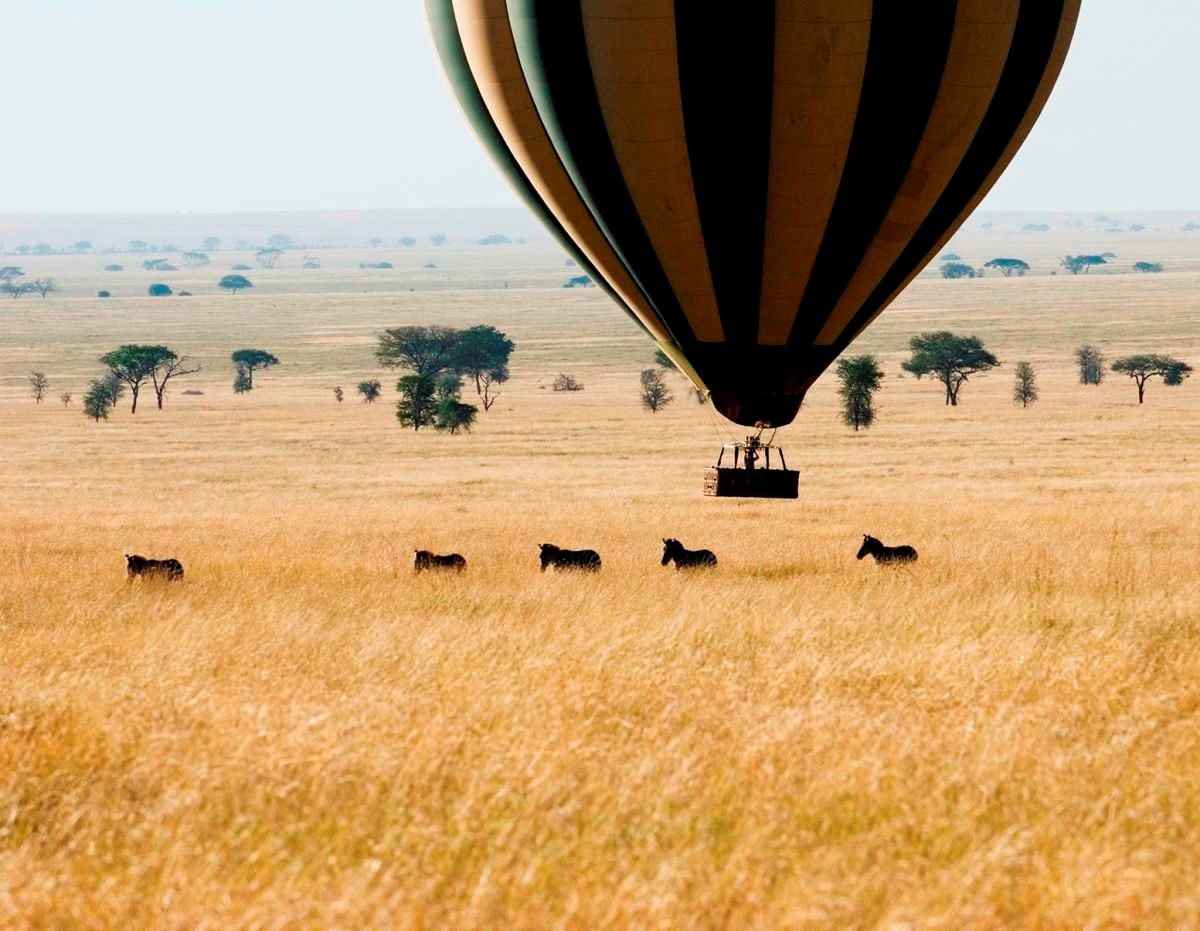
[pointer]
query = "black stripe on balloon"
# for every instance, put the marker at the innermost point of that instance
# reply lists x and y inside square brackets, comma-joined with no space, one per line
[552,48]
[906,56]
[444,28]
[726,82]
[1034,37]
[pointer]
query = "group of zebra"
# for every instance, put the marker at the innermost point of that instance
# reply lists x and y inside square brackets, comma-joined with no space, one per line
[555,557]
[552,557]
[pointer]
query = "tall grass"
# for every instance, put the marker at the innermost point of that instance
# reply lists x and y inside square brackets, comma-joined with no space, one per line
[303,733]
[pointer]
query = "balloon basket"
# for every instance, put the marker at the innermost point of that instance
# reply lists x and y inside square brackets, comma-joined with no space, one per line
[738,483]
[753,476]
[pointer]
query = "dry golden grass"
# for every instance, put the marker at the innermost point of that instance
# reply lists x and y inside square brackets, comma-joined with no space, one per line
[302,734]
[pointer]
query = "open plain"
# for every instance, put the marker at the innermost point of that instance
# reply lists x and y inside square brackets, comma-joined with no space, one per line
[304,734]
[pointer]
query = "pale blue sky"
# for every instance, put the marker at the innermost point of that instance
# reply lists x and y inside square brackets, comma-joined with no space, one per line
[236,105]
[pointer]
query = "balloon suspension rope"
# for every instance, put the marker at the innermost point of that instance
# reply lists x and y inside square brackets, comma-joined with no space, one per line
[724,434]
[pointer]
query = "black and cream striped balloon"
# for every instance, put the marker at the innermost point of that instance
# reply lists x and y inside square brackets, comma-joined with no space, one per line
[752,182]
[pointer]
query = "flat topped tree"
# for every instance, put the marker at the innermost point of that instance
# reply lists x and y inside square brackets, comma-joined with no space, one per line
[951,359]
[1008,266]
[234,283]
[247,360]
[426,350]
[132,365]
[1141,368]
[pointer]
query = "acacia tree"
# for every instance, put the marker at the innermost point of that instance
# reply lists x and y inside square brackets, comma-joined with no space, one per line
[951,359]
[957,270]
[1091,365]
[482,354]
[133,364]
[170,366]
[859,378]
[370,390]
[1008,267]
[39,384]
[655,394]
[10,283]
[268,257]
[234,283]
[1141,368]
[247,360]
[42,286]
[1024,385]
[426,350]
[194,259]
[1077,263]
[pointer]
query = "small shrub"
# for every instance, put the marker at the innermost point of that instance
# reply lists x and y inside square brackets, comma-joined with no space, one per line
[185,294]
[369,390]
[114,268]
[158,289]
[429,265]
[579,281]
[566,382]
[240,268]
[191,391]
[103,294]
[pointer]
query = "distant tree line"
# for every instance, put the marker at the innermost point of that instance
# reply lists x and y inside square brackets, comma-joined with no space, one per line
[952,359]
[953,267]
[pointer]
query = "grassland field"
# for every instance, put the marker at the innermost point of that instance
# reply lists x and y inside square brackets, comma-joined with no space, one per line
[303,734]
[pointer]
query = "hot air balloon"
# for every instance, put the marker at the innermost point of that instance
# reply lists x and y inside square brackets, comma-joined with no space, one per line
[753,183]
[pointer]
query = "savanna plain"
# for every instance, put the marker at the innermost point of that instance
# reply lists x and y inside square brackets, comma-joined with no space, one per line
[303,733]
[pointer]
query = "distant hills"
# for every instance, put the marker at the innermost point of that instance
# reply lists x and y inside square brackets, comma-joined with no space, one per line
[1112,221]
[312,229]
[22,234]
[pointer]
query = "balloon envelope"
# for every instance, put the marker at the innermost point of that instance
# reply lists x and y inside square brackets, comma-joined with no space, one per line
[753,184]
